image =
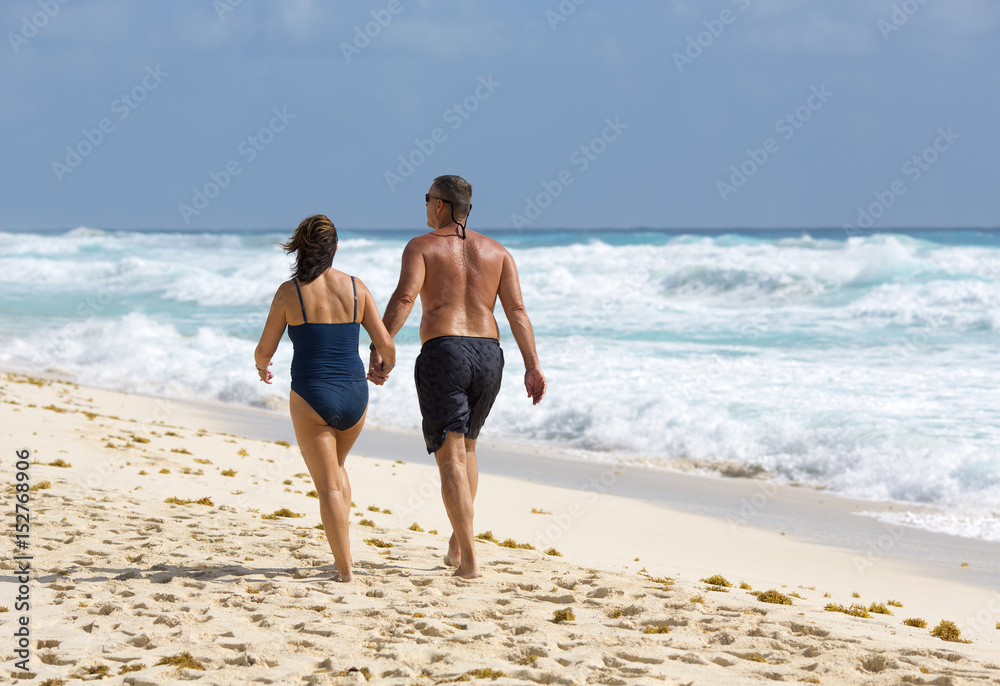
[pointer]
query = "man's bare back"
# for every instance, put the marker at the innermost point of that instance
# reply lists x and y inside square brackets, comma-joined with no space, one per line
[461,281]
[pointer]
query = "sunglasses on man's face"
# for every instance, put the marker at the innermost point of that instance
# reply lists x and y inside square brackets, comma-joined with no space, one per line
[428,197]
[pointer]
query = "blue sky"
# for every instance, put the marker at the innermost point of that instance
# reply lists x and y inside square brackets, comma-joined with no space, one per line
[721,114]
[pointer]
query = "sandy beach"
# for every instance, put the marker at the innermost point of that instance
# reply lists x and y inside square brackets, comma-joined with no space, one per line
[169,542]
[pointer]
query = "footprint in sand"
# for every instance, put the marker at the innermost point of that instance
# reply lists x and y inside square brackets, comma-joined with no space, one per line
[567,599]
[52,658]
[141,641]
[642,659]
[105,609]
[250,659]
[314,628]
[722,638]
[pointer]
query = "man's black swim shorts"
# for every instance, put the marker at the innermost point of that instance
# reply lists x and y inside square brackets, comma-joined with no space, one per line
[458,378]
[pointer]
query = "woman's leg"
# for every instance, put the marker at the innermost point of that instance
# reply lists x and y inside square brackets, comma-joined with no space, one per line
[318,442]
[345,441]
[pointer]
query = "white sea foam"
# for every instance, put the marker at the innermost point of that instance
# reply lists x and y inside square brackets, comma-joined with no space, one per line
[868,365]
[85,232]
[982,524]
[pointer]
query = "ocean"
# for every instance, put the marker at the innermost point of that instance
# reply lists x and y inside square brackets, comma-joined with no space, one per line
[868,365]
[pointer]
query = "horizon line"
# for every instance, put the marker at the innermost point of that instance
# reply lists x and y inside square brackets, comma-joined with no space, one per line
[852,231]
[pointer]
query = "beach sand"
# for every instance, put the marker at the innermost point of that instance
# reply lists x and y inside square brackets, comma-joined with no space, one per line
[213,587]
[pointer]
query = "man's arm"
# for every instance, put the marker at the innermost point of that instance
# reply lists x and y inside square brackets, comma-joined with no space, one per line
[411,280]
[520,327]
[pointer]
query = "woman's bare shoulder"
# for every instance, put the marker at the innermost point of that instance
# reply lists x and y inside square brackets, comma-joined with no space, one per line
[285,291]
[336,280]
[359,283]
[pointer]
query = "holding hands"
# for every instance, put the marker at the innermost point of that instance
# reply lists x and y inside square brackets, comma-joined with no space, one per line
[378,371]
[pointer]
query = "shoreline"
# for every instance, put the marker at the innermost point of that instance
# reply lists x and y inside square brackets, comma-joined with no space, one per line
[117,566]
[803,512]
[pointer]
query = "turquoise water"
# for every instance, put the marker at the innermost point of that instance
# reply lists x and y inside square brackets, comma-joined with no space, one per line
[865,364]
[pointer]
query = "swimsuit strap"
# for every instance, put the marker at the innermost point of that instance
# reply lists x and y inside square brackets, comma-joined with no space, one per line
[355,300]
[301,304]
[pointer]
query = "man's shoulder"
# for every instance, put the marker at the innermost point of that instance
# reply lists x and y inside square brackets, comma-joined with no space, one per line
[488,243]
[415,247]
[418,242]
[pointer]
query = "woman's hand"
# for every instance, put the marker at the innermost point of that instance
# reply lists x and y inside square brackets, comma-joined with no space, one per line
[377,371]
[265,374]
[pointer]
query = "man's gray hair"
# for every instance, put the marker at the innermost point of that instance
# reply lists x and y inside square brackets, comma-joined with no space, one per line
[456,190]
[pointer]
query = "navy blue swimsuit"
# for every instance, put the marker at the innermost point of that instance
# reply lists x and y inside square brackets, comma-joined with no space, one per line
[326,369]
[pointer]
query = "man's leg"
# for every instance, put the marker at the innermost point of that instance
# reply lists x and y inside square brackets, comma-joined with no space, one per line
[454,556]
[456,491]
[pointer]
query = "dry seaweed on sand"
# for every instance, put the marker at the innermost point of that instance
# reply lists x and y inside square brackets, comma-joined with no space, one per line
[511,543]
[772,596]
[948,631]
[855,610]
[560,616]
[716,580]
[186,501]
[181,661]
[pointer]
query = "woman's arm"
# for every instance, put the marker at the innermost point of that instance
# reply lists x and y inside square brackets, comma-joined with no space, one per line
[373,324]
[274,328]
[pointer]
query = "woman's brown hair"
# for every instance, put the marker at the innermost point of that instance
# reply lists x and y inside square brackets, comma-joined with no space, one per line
[314,244]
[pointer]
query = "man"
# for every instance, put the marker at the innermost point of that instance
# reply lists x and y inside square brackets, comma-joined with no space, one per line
[458,275]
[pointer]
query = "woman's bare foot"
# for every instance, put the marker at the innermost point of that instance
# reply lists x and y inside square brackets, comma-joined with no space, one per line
[467,571]
[343,577]
[452,561]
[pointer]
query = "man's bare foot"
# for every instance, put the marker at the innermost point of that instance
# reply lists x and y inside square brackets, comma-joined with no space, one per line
[454,556]
[467,571]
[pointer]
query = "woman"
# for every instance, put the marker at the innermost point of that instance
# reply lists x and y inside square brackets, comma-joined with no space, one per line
[322,308]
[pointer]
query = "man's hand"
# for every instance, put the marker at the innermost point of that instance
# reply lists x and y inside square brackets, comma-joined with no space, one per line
[534,383]
[375,372]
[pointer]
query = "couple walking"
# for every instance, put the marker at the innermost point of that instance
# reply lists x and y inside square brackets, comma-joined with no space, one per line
[458,276]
